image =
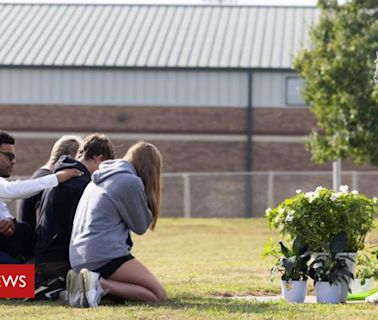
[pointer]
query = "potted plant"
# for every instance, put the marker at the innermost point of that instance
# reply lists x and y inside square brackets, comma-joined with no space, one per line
[320,215]
[293,265]
[330,270]
[366,270]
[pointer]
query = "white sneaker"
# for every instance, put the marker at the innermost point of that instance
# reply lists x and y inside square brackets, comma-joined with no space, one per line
[73,289]
[91,287]
[373,298]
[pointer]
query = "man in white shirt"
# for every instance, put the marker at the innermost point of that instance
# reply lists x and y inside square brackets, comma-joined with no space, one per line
[17,239]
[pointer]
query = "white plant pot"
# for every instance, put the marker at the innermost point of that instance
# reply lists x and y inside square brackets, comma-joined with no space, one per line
[294,291]
[326,293]
[357,287]
[351,266]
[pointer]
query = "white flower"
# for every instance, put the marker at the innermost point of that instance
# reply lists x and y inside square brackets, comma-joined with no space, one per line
[281,211]
[354,192]
[289,218]
[298,191]
[334,197]
[375,199]
[267,211]
[309,195]
[318,189]
[344,188]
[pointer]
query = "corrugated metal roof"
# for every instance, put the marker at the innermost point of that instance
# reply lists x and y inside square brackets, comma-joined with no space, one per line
[152,36]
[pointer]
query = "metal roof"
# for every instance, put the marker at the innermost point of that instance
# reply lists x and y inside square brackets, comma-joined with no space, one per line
[165,36]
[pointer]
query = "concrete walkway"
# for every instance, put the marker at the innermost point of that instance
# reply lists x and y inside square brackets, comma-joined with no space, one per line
[308,299]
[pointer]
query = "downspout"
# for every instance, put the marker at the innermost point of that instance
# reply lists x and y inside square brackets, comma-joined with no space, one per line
[248,188]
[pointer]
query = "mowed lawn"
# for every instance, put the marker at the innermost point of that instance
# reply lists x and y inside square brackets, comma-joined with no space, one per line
[210,268]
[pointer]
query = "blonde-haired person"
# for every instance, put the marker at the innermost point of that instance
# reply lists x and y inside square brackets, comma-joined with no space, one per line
[65,145]
[124,196]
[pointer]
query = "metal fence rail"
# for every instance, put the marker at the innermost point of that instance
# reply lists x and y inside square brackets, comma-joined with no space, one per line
[222,194]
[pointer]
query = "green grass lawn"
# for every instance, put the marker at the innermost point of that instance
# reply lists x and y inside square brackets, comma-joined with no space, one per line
[209,267]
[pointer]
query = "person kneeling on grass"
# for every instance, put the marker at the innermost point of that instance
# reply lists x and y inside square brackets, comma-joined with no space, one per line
[124,196]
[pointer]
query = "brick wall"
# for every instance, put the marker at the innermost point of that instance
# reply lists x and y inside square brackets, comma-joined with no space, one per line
[210,196]
[154,119]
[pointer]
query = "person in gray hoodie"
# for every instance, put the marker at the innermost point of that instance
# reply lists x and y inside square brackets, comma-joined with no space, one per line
[124,196]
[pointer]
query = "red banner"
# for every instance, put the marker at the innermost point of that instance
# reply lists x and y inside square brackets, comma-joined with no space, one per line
[17,280]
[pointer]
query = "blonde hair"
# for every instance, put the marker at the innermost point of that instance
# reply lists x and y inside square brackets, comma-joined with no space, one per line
[66,145]
[148,161]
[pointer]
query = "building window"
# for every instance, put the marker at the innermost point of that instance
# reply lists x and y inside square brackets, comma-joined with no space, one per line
[293,89]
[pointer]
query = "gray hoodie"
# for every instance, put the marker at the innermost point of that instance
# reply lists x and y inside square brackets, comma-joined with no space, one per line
[112,204]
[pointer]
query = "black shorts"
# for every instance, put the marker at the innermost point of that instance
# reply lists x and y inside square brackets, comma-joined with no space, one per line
[112,266]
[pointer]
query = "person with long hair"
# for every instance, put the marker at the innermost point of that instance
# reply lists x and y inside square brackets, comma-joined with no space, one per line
[124,196]
[30,207]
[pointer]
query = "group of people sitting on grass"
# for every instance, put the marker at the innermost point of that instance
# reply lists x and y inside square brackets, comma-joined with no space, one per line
[76,218]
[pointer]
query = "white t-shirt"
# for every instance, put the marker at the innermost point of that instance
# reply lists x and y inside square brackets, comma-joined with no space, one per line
[21,189]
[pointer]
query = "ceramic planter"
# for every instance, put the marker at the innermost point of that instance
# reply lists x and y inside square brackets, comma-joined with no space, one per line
[326,293]
[351,266]
[294,291]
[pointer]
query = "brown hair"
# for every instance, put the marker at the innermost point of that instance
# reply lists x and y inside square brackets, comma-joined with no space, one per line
[148,161]
[66,145]
[94,145]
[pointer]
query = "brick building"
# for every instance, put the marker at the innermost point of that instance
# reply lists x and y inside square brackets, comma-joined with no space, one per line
[211,86]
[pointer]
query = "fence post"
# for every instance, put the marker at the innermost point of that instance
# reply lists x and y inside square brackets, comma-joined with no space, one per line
[187,204]
[270,190]
[354,180]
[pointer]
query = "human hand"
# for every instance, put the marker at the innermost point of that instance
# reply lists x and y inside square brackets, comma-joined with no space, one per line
[7,227]
[67,174]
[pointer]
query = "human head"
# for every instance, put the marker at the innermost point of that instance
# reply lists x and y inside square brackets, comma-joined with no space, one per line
[147,161]
[7,154]
[94,149]
[66,145]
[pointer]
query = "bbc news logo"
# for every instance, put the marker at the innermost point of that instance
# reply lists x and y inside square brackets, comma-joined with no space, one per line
[17,280]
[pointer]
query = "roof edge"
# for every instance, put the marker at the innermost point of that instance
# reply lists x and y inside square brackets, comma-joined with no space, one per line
[155,5]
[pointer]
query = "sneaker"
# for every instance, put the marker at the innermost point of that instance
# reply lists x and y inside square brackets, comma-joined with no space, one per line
[91,287]
[373,298]
[73,289]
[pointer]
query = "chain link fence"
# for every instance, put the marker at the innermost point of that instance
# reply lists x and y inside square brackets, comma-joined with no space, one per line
[225,194]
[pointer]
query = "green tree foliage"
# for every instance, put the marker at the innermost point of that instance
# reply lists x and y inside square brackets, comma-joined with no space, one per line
[338,69]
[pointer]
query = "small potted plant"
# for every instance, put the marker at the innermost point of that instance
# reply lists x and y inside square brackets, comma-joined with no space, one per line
[366,270]
[293,265]
[330,270]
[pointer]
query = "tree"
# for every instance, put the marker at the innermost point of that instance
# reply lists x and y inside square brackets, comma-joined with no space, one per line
[338,69]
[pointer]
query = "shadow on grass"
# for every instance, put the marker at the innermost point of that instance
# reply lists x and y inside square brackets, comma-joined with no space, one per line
[220,305]
[182,302]
[176,303]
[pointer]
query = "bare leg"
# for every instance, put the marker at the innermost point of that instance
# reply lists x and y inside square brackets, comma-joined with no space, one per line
[134,281]
[127,291]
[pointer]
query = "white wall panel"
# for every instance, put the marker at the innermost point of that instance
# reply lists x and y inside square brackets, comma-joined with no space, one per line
[146,88]
[123,87]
